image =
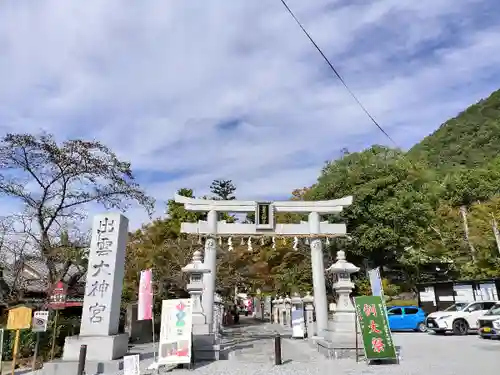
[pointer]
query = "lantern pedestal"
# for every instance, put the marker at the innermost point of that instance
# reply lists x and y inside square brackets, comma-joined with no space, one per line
[205,345]
[341,335]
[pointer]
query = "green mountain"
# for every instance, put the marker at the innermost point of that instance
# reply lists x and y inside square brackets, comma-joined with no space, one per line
[471,139]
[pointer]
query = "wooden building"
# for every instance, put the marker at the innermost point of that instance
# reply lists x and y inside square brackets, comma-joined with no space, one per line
[435,296]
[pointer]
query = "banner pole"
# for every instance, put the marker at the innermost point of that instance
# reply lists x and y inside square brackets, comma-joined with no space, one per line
[14,352]
[54,334]
[1,350]
[35,354]
[154,340]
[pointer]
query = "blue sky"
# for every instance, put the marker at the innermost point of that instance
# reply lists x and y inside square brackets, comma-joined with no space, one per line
[190,91]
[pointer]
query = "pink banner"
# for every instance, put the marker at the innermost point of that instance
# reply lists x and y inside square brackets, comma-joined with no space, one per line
[145,308]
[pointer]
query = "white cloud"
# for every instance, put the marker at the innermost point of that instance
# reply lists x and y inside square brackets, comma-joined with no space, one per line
[156,82]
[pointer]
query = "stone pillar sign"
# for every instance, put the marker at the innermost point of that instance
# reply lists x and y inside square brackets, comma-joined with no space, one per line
[104,282]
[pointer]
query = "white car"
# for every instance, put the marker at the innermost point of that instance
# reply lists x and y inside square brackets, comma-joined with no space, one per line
[459,318]
[489,323]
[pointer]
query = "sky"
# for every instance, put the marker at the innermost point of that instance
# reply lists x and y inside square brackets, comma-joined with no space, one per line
[192,91]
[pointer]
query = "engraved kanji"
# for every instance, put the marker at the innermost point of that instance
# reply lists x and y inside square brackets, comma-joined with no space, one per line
[106,226]
[95,312]
[103,245]
[102,267]
[99,288]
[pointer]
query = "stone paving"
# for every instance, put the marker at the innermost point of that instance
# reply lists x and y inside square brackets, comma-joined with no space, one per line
[422,354]
[252,352]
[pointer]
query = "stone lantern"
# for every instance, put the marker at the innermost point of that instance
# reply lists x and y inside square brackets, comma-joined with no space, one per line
[259,305]
[274,310]
[280,309]
[288,311]
[344,319]
[195,270]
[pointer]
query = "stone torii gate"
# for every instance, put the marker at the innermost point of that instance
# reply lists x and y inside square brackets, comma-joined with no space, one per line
[265,225]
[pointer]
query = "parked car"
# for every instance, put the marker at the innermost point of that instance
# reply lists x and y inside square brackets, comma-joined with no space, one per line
[489,323]
[406,318]
[242,309]
[460,318]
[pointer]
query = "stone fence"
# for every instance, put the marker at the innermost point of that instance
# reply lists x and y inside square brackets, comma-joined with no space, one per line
[282,308]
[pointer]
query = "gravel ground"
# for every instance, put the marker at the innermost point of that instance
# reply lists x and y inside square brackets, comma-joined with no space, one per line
[421,354]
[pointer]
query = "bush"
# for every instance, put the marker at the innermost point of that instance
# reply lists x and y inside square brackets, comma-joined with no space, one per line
[66,326]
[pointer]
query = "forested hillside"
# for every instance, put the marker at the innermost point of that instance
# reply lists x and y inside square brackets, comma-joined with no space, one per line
[470,140]
[429,213]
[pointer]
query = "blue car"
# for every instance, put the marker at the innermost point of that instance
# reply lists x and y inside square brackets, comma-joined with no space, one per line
[402,318]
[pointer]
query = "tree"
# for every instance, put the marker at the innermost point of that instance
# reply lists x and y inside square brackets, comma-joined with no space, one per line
[223,189]
[177,214]
[54,182]
[394,201]
[153,246]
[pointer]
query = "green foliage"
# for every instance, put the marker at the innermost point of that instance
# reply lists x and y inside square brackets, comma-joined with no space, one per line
[67,325]
[362,286]
[469,140]
[223,189]
[394,202]
[390,290]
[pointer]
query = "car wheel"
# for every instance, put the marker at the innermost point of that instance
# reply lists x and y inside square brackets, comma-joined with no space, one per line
[460,327]
[421,327]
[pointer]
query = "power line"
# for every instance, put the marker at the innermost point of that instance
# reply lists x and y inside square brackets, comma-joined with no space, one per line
[338,75]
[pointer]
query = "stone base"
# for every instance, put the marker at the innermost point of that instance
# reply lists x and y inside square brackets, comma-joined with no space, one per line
[343,322]
[71,367]
[340,350]
[205,347]
[99,348]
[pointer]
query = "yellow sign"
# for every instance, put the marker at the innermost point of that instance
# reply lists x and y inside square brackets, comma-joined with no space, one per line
[19,318]
[486,329]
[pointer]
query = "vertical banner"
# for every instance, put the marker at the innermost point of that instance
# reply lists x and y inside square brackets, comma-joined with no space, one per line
[376,282]
[375,331]
[145,307]
[176,331]
[298,322]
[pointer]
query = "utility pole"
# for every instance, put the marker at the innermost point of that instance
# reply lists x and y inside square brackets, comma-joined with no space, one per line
[463,213]
[494,226]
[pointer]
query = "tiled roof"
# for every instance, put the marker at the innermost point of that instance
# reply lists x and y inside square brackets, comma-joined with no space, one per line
[34,274]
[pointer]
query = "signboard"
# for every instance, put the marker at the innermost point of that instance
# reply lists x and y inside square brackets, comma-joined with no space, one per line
[264,215]
[57,300]
[19,318]
[297,322]
[175,332]
[40,321]
[131,365]
[374,326]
